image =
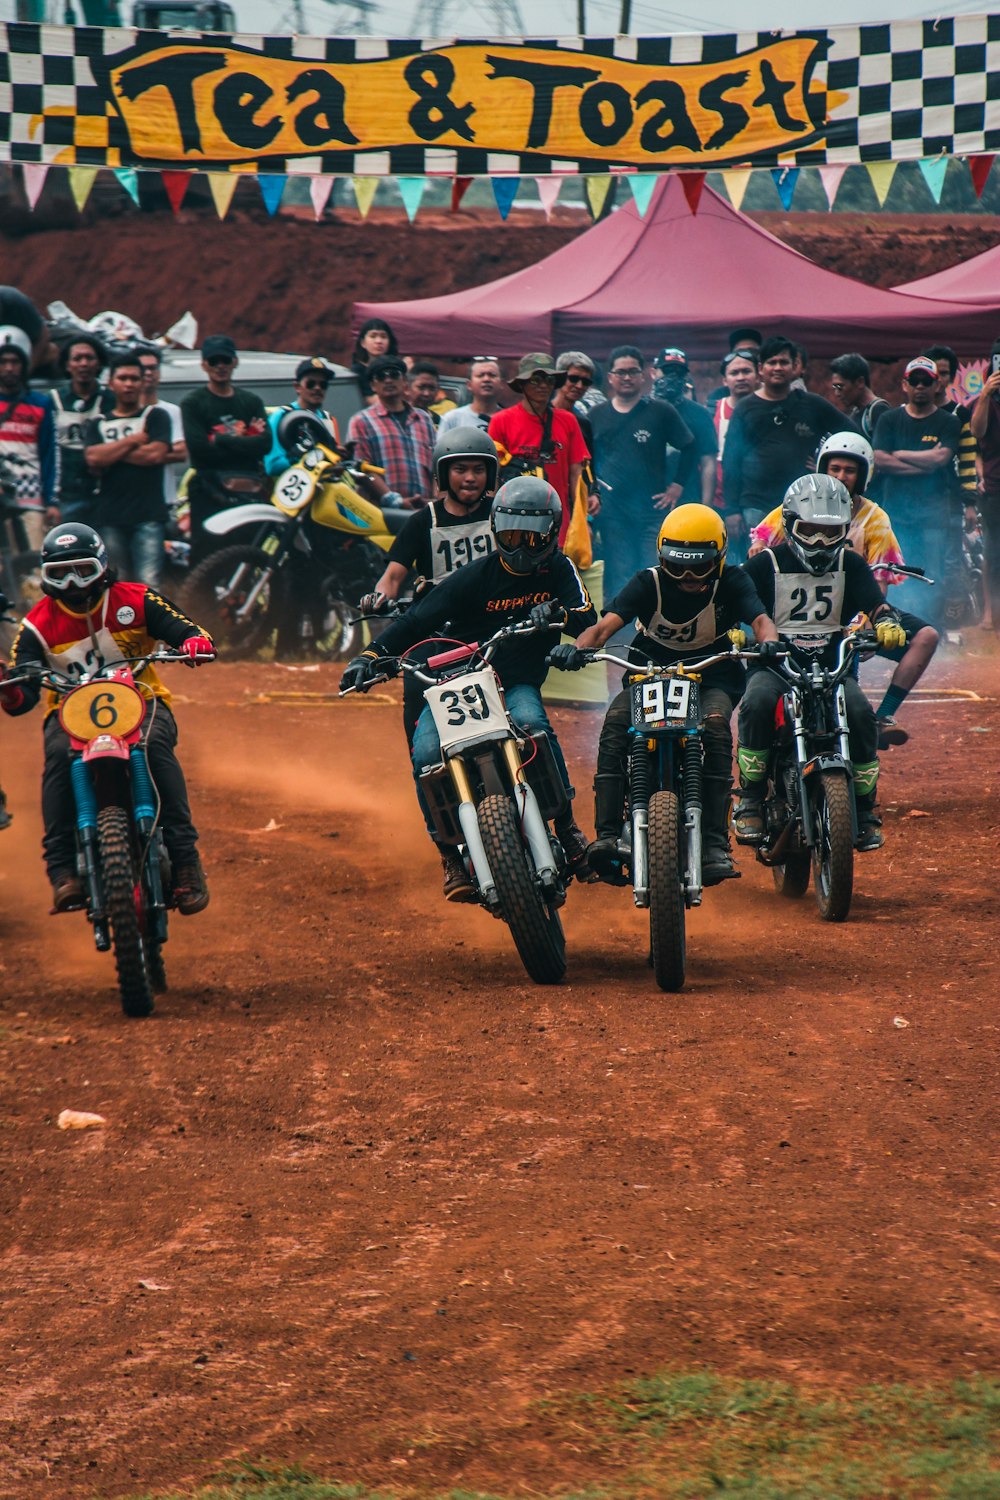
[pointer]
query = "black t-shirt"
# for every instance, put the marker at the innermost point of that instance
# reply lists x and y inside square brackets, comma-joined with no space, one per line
[706,443]
[811,604]
[129,494]
[425,547]
[630,451]
[207,417]
[770,443]
[484,596]
[930,499]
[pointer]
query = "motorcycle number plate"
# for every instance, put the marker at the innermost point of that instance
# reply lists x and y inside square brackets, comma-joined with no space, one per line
[468,708]
[662,702]
[293,490]
[113,708]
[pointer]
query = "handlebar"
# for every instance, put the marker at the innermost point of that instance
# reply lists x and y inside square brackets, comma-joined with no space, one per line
[63,682]
[849,646]
[464,651]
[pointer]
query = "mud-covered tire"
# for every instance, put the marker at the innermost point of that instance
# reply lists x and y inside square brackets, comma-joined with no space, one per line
[114,837]
[217,589]
[791,879]
[667,936]
[534,925]
[155,967]
[833,852]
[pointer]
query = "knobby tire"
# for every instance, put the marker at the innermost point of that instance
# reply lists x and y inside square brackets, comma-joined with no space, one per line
[791,879]
[534,925]
[833,853]
[212,606]
[114,836]
[666,896]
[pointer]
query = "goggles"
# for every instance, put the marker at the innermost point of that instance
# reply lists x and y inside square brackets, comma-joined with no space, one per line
[73,572]
[688,569]
[818,535]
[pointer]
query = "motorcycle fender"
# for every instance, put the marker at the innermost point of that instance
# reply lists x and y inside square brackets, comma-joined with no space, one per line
[106,747]
[826,763]
[225,521]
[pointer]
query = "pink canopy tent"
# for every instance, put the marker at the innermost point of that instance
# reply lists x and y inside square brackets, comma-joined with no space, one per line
[976,281]
[674,278]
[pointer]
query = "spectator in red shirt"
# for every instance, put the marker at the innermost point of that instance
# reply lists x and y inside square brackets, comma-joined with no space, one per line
[535,434]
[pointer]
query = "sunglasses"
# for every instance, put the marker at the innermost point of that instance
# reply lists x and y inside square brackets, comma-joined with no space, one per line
[631,372]
[919,380]
[314,385]
[579,380]
[219,359]
[388,375]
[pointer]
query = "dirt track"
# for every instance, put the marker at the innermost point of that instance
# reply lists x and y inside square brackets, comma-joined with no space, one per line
[385,1193]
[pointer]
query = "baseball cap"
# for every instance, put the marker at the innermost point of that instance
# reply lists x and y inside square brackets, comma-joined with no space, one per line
[218,344]
[383,364]
[668,357]
[921,363]
[314,366]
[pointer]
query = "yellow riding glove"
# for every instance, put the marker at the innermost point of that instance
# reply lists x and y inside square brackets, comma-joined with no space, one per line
[890,633]
[738,637]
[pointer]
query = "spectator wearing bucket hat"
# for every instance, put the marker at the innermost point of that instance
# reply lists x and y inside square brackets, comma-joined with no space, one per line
[312,376]
[534,434]
[78,400]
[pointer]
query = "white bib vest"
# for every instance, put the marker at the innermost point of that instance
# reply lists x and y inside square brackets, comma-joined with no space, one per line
[454,546]
[686,635]
[808,603]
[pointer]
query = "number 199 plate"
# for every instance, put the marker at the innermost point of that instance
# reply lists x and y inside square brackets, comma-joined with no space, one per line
[665,702]
[468,708]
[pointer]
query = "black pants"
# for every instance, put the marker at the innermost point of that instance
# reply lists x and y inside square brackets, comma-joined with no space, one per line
[59,804]
[764,689]
[717,709]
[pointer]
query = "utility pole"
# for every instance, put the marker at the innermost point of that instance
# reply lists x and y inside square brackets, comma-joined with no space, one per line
[626,20]
[581,17]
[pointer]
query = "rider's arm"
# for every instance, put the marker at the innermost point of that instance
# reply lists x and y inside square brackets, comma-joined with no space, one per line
[392,581]
[764,628]
[26,651]
[862,594]
[598,635]
[165,622]
[573,596]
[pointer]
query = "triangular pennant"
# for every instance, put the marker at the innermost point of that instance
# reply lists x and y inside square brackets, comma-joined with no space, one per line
[176,185]
[411,190]
[459,187]
[365,189]
[548,192]
[81,180]
[692,183]
[128,178]
[320,189]
[222,186]
[272,185]
[881,174]
[597,192]
[33,175]
[642,185]
[979,166]
[934,171]
[737,181]
[785,179]
[505,191]
[831,178]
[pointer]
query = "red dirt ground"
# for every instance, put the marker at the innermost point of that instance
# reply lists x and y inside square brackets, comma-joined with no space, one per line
[384,1193]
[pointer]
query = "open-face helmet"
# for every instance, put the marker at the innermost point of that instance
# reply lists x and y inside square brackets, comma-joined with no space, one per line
[74,563]
[465,442]
[525,519]
[816,515]
[692,544]
[848,445]
[298,431]
[15,340]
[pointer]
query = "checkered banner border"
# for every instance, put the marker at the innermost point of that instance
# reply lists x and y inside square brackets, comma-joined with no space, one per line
[900,91]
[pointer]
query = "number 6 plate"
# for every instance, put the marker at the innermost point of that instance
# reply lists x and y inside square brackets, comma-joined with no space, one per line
[467,709]
[102,708]
[665,702]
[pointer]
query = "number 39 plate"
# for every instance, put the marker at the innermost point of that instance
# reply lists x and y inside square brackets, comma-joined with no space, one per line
[665,702]
[468,708]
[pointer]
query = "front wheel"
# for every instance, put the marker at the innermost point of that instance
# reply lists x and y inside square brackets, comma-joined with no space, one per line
[218,591]
[666,895]
[534,925]
[121,888]
[833,852]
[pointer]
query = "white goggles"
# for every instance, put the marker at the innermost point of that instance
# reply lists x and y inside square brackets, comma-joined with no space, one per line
[820,536]
[73,572]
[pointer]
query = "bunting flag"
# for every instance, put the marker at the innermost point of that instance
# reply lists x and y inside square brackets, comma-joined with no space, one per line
[320,189]
[831,178]
[176,185]
[272,185]
[34,180]
[597,191]
[364,191]
[692,183]
[128,178]
[934,171]
[505,191]
[979,166]
[737,182]
[411,190]
[881,174]
[222,186]
[548,192]
[459,187]
[81,180]
[642,185]
[785,179]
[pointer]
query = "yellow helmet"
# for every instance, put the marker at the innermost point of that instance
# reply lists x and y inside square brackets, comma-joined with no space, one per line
[692,543]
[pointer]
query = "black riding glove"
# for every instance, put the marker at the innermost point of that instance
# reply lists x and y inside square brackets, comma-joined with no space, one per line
[372,604]
[566,657]
[541,614]
[358,674]
[769,650]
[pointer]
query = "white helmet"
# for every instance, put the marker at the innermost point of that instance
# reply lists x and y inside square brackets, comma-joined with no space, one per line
[816,514]
[15,338]
[850,445]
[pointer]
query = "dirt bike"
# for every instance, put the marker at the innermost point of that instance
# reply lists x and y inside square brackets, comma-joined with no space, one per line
[810,816]
[493,795]
[661,841]
[121,857]
[319,545]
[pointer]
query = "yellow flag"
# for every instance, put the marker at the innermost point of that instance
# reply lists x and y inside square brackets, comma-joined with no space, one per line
[364,192]
[81,180]
[737,181]
[597,192]
[222,186]
[881,174]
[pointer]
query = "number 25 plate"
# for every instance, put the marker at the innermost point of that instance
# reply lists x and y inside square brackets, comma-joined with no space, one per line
[468,708]
[102,708]
[664,702]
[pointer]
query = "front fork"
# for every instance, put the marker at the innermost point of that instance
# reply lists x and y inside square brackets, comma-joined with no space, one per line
[144,812]
[810,832]
[86,831]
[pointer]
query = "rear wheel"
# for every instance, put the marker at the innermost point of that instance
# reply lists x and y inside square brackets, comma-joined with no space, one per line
[833,853]
[118,874]
[792,878]
[218,590]
[667,937]
[534,925]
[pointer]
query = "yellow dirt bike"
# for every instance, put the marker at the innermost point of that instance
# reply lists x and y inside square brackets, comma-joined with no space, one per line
[318,546]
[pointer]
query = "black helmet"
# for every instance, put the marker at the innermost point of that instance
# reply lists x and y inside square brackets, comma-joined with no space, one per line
[525,520]
[465,442]
[74,564]
[298,431]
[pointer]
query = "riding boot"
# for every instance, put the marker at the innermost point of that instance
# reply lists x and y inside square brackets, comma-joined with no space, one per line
[748,814]
[605,854]
[869,824]
[574,844]
[716,858]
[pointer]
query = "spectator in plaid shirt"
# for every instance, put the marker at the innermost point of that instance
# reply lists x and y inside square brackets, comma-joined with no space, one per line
[396,437]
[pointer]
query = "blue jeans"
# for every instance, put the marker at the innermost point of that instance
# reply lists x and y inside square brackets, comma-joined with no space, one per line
[136,552]
[524,704]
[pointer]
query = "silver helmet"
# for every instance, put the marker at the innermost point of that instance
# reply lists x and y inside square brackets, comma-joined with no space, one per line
[816,514]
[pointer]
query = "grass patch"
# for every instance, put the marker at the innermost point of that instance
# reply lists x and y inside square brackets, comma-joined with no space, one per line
[696,1435]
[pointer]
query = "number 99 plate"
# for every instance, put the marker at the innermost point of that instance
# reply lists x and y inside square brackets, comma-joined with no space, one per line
[102,708]
[666,702]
